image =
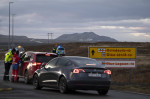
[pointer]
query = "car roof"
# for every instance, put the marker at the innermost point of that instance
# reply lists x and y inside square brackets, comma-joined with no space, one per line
[71,57]
[41,52]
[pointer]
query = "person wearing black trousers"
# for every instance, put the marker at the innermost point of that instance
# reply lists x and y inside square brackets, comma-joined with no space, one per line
[8,62]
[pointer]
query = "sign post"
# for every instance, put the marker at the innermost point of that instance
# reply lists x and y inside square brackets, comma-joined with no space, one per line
[114,57]
[112,52]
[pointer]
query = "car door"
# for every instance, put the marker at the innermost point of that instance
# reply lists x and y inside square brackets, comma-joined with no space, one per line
[21,65]
[46,76]
[25,63]
[29,66]
[56,70]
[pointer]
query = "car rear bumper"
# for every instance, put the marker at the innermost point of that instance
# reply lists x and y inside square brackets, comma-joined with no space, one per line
[88,85]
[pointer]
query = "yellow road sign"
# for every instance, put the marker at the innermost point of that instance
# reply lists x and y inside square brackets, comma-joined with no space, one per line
[112,52]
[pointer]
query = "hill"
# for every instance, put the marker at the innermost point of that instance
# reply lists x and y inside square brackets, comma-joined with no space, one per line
[84,37]
[21,39]
[17,40]
[90,37]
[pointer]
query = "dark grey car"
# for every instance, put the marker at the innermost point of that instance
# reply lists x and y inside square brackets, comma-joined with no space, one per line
[73,73]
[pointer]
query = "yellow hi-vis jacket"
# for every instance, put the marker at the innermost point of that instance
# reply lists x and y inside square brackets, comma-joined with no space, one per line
[8,57]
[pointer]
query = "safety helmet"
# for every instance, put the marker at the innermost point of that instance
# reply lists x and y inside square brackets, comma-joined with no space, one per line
[19,46]
[9,50]
[13,50]
[16,49]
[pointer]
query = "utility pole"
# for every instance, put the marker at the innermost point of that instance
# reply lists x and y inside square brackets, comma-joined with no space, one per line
[51,36]
[48,38]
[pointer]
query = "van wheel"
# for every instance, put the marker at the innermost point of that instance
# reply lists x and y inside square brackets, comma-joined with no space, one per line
[26,77]
[63,85]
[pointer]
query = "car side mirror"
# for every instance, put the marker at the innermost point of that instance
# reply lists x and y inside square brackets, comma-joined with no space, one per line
[21,60]
[43,65]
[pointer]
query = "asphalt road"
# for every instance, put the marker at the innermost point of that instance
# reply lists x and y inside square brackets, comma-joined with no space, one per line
[23,91]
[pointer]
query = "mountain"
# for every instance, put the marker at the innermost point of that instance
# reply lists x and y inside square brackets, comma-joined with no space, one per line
[4,38]
[17,40]
[84,37]
[65,38]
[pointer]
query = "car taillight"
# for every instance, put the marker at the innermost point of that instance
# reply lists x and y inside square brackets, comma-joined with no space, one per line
[107,72]
[36,64]
[78,70]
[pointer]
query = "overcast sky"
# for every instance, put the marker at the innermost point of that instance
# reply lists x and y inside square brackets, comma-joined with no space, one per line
[123,20]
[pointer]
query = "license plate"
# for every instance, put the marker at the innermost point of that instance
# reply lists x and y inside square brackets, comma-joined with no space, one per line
[94,75]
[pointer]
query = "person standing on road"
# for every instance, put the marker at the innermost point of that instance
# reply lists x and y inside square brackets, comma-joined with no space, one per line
[54,48]
[15,66]
[7,64]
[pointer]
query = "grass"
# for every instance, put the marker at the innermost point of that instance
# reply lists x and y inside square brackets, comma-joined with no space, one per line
[132,88]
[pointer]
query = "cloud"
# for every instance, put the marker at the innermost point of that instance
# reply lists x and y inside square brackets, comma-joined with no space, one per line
[32,18]
[118,19]
[140,34]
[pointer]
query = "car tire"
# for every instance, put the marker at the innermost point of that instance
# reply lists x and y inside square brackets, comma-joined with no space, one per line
[63,85]
[26,77]
[102,92]
[17,79]
[36,82]
[71,90]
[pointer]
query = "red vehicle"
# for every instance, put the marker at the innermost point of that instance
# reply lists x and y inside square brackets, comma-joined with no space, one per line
[31,61]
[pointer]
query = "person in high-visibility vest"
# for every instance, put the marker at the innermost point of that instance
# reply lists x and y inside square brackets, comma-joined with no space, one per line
[54,50]
[7,63]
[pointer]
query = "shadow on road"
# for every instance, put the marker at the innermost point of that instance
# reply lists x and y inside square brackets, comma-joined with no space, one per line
[76,93]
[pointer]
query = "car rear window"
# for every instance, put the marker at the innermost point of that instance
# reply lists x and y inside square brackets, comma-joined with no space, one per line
[85,62]
[44,58]
[21,49]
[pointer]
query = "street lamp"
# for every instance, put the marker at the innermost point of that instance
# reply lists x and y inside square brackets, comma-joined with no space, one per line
[12,29]
[9,25]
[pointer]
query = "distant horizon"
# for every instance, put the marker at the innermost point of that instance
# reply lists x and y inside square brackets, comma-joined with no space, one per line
[63,34]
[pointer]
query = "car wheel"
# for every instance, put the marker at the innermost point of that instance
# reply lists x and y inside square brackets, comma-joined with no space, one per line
[102,92]
[71,90]
[17,78]
[26,77]
[36,82]
[63,85]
